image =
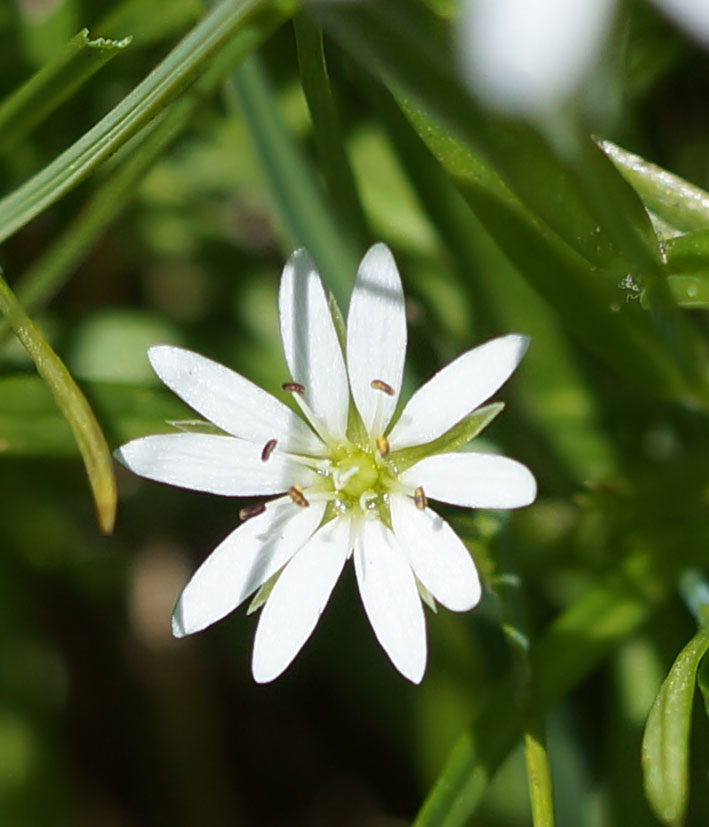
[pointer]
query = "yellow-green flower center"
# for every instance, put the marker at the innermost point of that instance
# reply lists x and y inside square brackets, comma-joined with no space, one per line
[359,473]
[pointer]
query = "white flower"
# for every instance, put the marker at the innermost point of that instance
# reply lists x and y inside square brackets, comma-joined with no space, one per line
[350,484]
[528,56]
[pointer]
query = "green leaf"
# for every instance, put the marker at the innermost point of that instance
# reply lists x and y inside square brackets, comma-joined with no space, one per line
[681,204]
[665,750]
[182,66]
[304,215]
[51,85]
[688,253]
[73,405]
[457,436]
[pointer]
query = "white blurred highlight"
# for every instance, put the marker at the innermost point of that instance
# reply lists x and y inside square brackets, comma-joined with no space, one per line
[524,57]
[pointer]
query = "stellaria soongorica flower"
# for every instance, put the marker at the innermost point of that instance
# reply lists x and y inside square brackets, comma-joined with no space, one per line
[345,481]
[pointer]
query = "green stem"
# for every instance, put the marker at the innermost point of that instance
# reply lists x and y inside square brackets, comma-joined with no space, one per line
[538,774]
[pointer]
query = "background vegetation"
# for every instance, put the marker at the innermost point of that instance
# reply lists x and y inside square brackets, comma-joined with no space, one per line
[142,208]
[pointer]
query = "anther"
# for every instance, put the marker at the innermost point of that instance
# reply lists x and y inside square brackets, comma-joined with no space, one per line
[294,387]
[420,498]
[296,494]
[249,511]
[268,449]
[381,385]
[383,446]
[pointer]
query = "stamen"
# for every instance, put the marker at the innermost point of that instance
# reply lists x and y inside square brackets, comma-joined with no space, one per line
[249,511]
[381,385]
[383,446]
[299,390]
[420,498]
[268,449]
[296,494]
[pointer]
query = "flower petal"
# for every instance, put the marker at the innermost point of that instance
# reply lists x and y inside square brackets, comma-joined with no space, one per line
[473,480]
[457,390]
[436,554]
[294,606]
[242,562]
[376,337]
[527,56]
[310,344]
[230,401]
[216,464]
[391,600]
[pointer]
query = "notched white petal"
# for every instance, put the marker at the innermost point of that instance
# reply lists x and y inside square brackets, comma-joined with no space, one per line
[230,401]
[473,480]
[242,562]
[301,592]
[436,554]
[216,464]
[457,390]
[376,338]
[390,597]
[310,343]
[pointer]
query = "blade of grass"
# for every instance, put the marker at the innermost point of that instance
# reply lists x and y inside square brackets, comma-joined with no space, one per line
[327,129]
[48,274]
[52,84]
[254,18]
[306,218]
[73,405]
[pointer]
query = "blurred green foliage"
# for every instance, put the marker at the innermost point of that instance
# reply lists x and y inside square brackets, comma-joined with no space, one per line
[141,208]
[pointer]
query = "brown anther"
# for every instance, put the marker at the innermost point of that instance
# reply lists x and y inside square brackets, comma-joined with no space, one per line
[268,449]
[420,498]
[296,494]
[381,385]
[293,387]
[383,446]
[249,511]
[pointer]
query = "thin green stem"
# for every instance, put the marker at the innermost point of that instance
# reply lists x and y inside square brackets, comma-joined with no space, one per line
[538,773]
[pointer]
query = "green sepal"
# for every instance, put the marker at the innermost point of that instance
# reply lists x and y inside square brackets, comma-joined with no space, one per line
[263,593]
[457,436]
[195,426]
[426,596]
[338,320]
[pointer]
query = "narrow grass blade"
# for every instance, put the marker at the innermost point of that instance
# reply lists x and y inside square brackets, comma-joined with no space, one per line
[306,218]
[73,405]
[164,84]
[47,89]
